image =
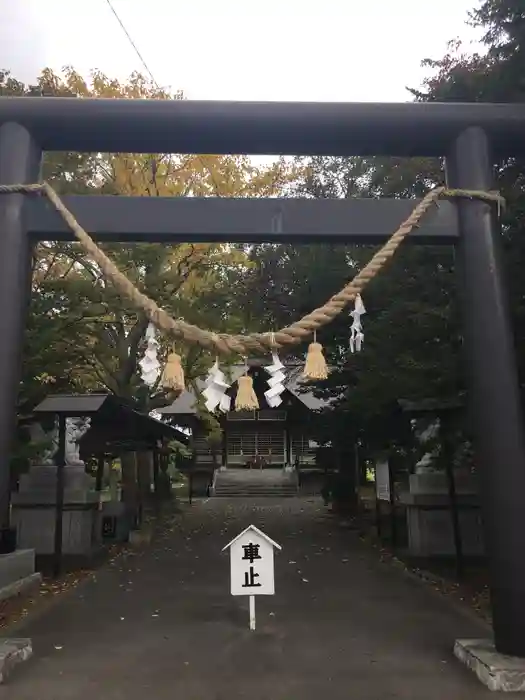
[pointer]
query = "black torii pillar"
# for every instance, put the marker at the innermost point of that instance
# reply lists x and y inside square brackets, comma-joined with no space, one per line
[20,159]
[494,398]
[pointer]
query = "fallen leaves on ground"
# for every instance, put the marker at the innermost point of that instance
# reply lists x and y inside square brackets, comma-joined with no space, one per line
[15,609]
[472,590]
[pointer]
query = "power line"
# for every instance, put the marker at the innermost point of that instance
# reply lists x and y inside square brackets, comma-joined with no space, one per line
[155,83]
[134,46]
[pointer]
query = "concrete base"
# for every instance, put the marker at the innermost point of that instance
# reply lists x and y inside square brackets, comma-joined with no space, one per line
[429,524]
[33,511]
[12,653]
[17,573]
[23,585]
[16,566]
[496,671]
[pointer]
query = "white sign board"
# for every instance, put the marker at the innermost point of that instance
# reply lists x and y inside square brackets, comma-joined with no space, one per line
[252,566]
[382,481]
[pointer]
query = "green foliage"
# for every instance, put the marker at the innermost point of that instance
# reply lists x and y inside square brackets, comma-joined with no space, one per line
[179,449]
[411,331]
[80,335]
[495,76]
[90,337]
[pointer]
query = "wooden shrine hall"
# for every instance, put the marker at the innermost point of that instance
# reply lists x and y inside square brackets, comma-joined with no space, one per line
[266,438]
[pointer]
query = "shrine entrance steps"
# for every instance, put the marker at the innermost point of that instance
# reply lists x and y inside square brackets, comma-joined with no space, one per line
[255,483]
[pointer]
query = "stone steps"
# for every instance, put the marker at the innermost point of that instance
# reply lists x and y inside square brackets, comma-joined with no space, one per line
[255,484]
[255,493]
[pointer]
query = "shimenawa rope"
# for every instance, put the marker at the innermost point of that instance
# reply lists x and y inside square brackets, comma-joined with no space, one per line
[254,342]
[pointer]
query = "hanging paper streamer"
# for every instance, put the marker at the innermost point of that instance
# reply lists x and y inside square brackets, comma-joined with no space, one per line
[150,365]
[276,382]
[215,388]
[357,336]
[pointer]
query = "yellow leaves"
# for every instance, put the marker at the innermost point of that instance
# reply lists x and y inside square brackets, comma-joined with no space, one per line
[201,175]
[45,378]
[100,85]
[197,175]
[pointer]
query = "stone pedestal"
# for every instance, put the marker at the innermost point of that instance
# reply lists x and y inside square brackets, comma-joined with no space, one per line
[17,572]
[16,565]
[12,653]
[33,512]
[429,518]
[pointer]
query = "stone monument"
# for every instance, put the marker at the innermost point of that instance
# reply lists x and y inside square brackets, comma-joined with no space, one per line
[427,501]
[34,505]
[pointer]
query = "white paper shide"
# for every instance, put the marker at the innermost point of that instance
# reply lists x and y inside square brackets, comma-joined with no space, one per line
[150,365]
[215,388]
[275,383]
[356,330]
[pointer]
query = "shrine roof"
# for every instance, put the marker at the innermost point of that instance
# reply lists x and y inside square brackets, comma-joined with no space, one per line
[186,402]
[115,424]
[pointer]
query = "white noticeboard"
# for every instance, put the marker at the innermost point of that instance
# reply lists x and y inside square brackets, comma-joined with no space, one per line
[252,566]
[382,481]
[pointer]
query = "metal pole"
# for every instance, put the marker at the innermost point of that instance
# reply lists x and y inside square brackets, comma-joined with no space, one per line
[59,496]
[496,412]
[378,519]
[156,471]
[448,463]
[19,163]
[378,506]
[252,612]
[393,522]
[101,459]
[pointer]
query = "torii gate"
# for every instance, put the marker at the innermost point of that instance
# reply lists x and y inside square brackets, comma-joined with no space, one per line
[470,136]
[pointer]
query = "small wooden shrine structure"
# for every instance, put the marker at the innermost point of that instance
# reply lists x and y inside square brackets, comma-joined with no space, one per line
[266,438]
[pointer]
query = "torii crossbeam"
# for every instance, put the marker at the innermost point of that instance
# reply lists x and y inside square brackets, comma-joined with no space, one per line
[470,136]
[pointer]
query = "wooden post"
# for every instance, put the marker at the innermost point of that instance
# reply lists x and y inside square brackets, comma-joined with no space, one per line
[100,472]
[59,496]
[393,522]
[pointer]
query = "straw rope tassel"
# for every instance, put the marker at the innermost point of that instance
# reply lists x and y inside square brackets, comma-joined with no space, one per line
[246,399]
[173,374]
[315,365]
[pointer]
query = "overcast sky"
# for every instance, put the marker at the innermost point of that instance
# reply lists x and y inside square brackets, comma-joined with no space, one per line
[342,50]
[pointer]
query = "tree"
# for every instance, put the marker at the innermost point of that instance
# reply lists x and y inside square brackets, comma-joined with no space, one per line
[495,76]
[411,336]
[189,280]
[185,279]
[412,345]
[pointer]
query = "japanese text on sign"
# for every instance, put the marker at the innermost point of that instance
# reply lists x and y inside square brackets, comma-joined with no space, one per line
[252,563]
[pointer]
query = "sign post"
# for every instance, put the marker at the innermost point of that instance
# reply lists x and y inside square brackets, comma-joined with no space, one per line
[383,480]
[385,492]
[252,566]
